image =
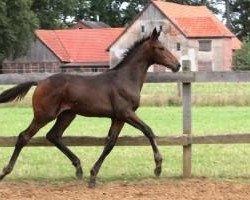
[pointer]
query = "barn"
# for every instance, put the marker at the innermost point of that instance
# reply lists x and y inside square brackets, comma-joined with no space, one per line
[190,32]
[80,50]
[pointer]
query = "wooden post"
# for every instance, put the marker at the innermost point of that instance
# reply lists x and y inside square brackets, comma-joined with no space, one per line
[187,121]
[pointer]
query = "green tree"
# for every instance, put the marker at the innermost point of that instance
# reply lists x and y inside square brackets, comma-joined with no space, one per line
[133,8]
[241,59]
[17,23]
[240,17]
[116,13]
[54,14]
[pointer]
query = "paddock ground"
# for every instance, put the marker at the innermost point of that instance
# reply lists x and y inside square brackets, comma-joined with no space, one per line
[191,189]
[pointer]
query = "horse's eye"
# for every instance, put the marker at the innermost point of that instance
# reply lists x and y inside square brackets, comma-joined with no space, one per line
[161,48]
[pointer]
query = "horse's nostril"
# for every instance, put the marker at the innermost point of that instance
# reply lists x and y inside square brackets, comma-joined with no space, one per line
[178,66]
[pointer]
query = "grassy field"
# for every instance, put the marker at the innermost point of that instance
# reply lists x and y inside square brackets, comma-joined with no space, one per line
[203,94]
[135,163]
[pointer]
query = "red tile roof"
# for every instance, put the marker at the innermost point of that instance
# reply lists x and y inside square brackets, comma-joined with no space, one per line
[79,45]
[236,43]
[193,21]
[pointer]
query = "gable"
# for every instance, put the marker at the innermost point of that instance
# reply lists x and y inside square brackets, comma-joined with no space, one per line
[38,52]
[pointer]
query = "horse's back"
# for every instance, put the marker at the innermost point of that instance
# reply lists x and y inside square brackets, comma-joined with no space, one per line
[84,95]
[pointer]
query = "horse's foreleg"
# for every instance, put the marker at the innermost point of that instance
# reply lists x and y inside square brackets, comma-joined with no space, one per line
[22,140]
[113,134]
[55,134]
[133,120]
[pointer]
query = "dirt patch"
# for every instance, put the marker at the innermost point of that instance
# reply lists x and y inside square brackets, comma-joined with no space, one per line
[150,189]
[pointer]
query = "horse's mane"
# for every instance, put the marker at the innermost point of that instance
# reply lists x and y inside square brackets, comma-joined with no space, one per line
[129,52]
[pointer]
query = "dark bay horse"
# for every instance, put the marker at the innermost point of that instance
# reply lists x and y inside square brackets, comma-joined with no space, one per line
[114,94]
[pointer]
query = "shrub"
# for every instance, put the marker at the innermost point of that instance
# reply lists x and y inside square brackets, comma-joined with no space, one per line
[241,59]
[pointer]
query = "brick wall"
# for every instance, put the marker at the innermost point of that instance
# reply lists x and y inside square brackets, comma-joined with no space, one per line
[50,67]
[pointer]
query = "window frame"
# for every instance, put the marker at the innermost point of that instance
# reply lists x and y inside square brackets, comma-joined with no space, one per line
[178,46]
[205,45]
[142,28]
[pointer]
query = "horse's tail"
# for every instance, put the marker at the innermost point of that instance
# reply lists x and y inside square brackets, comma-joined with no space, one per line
[17,92]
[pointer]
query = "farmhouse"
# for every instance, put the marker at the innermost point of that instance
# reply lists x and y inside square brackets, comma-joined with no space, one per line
[190,32]
[66,50]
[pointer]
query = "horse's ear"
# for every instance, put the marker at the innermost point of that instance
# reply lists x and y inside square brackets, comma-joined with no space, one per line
[154,36]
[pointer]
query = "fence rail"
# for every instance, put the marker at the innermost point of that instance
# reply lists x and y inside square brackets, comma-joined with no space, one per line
[186,139]
[182,140]
[161,77]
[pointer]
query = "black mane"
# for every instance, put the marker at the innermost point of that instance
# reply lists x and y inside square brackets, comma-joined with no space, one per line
[129,52]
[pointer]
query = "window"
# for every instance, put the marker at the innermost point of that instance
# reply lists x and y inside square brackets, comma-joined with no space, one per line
[20,70]
[94,69]
[42,69]
[205,66]
[178,46]
[205,45]
[142,29]
[160,27]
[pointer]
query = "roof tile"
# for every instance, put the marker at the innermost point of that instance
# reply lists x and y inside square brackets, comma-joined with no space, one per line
[193,21]
[79,45]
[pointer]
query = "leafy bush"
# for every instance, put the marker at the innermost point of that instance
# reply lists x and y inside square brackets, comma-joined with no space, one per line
[241,59]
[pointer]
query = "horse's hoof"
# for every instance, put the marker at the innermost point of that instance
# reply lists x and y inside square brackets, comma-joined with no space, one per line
[5,172]
[157,171]
[2,176]
[79,174]
[92,182]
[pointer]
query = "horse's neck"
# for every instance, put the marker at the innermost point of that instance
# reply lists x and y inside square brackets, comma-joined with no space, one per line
[136,69]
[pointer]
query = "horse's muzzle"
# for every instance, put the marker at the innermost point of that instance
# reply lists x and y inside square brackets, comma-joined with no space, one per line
[177,68]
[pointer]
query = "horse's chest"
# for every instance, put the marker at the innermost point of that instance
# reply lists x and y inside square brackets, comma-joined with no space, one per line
[127,97]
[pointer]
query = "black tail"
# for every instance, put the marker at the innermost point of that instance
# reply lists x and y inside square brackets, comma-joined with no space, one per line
[16,93]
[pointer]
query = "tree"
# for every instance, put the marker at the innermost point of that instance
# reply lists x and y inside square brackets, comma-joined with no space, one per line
[17,23]
[240,13]
[227,15]
[116,13]
[54,14]
[241,59]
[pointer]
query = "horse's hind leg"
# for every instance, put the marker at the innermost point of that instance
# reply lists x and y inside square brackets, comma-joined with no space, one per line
[55,134]
[22,140]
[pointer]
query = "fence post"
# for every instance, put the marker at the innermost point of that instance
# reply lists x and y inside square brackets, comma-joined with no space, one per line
[187,121]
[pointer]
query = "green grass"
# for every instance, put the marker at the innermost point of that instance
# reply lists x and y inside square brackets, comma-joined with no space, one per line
[135,163]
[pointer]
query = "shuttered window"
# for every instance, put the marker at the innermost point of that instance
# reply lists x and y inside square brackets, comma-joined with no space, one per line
[205,45]
[178,46]
[205,66]
[142,29]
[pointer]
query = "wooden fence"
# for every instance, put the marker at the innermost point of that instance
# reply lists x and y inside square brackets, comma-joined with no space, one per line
[186,139]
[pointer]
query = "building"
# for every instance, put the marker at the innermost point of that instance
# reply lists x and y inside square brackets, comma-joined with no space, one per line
[89,24]
[66,50]
[190,32]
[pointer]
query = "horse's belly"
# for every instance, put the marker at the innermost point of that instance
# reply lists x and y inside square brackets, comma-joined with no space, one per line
[93,109]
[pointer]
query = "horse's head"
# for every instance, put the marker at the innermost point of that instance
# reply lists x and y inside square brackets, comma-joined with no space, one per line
[161,55]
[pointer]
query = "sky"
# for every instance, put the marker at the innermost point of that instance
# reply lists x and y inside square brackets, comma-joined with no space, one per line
[221,7]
